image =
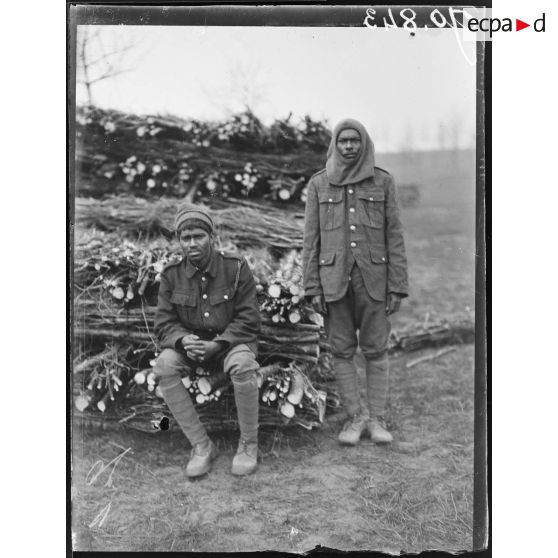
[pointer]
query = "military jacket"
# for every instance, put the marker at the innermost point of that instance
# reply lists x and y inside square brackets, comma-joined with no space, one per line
[358,223]
[218,303]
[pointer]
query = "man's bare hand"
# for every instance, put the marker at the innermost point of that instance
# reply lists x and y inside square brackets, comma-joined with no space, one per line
[393,303]
[194,347]
[199,350]
[319,304]
[189,339]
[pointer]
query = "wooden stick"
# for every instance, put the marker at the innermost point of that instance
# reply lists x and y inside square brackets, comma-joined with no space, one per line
[208,384]
[85,364]
[112,333]
[426,358]
[145,280]
[266,324]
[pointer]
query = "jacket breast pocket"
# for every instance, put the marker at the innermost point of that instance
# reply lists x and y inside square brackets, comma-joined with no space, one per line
[332,209]
[372,209]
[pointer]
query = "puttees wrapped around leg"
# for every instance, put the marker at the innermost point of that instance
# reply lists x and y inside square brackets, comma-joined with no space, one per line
[241,364]
[168,367]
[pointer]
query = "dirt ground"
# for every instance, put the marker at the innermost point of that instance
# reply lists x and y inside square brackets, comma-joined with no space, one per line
[309,491]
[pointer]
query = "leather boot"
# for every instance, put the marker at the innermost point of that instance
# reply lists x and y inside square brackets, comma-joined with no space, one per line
[246,458]
[200,459]
[378,431]
[352,431]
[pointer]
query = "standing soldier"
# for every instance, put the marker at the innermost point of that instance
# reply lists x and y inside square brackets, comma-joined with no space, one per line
[207,312]
[355,270]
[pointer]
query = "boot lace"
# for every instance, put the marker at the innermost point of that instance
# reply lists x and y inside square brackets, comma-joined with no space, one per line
[201,450]
[243,447]
[353,422]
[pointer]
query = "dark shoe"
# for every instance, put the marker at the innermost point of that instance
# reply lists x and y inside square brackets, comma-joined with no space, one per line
[352,431]
[378,431]
[200,459]
[246,458]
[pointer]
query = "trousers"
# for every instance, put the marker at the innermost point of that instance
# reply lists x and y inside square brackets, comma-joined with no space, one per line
[356,312]
[239,362]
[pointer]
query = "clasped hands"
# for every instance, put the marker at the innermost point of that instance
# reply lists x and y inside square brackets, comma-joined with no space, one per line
[392,305]
[199,350]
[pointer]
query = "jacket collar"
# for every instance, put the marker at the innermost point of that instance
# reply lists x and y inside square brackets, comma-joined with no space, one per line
[211,268]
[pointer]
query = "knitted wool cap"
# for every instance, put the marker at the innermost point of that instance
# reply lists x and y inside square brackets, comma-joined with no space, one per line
[189,211]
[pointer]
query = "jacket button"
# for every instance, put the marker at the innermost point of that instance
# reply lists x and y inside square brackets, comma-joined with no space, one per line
[383,259]
[353,228]
[226,297]
[371,198]
[353,244]
[330,200]
[203,278]
[323,261]
[204,296]
[351,191]
[206,314]
[352,209]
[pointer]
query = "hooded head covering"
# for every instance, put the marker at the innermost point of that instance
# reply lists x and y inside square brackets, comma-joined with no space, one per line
[341,171]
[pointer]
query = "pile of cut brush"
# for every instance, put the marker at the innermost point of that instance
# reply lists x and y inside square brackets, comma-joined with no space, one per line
[154,155]
[240,158]
[122,245]
[242,225]
[116,282]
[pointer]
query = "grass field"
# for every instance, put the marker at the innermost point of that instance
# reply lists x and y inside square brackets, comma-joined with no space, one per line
[308,491]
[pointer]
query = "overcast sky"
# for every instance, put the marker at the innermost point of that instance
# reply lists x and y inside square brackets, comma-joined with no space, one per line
[402,88]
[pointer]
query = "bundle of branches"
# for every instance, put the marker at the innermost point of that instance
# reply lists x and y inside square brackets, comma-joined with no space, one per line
[241,131]
[98,322]
[109,269]
[243,227]
[116,152]
[432,333]
[137,401]
[95,321]
[240,158]
[283,296]
[116,284]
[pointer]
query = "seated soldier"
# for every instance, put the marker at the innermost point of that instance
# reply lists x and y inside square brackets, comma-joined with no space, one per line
[207,313]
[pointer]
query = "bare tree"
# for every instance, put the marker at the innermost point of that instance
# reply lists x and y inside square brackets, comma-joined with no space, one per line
[247,85]
[99,57]
[245,88]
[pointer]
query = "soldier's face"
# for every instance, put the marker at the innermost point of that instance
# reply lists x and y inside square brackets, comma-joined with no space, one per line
[349,143]
[196,244]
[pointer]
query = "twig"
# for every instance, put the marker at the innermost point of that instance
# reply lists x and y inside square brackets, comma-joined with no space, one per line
[145,280]
[426,358]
